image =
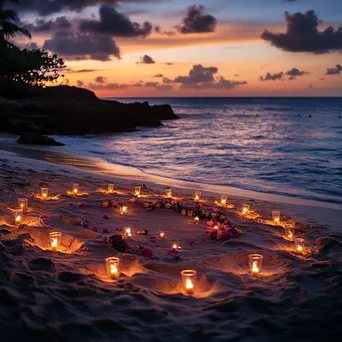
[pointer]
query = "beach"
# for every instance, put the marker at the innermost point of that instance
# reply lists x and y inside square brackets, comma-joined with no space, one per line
[67,295]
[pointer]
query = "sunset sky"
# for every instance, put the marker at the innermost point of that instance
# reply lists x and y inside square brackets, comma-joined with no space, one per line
[163,48]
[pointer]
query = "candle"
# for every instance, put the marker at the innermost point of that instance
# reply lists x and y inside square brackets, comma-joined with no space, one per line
[128,232]
[245,209]
[223,199]
[18,216]
[55,240]
[196,219]
[124,210]
[75,188]
[168,192]
[110,188]
[189,281]
[299,245]
[44,193]
[161,235]
[255,263]
[175,246]
[137,191]
[216,226]
[276,216]
[23,203]
[197,195]
[113,267]
[289,232]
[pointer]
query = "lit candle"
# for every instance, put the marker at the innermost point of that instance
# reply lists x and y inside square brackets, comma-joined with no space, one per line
[55,240]
[161,235]
[128,232]
[168,192]
[113,267]
[44,193]
[289,232]
[245,209]
[124,210]
[276,216]
[197,195]
[196,219]
[299,245]
[255,263]
[189,281]
[18,216]
[223,199]
[175,246]
[23,203]
[137,191]
[75,188]
[216,226]
[110,188]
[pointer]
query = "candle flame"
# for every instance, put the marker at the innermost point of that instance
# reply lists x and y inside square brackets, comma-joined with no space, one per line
[216,227]
[299,248]
[21,205]
[290,235]
[75,191]
[174,246]
[113,269]
[44,195]
[276,219]
[18,218]
[196,197]
[244,210]
[54,243]
[189,285]
[162,235]
[255,268]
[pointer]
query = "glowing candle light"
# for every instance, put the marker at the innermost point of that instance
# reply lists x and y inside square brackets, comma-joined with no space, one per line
[23,203]
[110,188]
[113,267]
[197,195]
[216,226]
[196,219]
[175,246]
[276,216]
[44,193]
[128,232]
[255,263]
[189,281]
[299,245]
[168,192]
[75,188]
[161,235]
[223,199]
[289,232]
[124,210]
[18,216]
[245,209]
[137,191]
[55,240]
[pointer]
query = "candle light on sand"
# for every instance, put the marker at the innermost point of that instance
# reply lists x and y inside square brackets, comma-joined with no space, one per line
[75,188]
[124,210]
[23,203]
[44,192]
[137,191]
[55,240]
[197,195]
[161,235]
[276,216]
[175,246]
[168,192]
[196,220]
[18,216]
[128,232]
[245,209]
[113,267]
[223,199]
[189,281]
[110,188]
[289,232]
[255,263]
[299,245]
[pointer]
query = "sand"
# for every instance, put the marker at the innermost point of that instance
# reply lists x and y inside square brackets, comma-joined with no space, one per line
[67,295]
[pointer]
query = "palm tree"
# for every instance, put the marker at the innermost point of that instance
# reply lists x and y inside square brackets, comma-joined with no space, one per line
[8,26]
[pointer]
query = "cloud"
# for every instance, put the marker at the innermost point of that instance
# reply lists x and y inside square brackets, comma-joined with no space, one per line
[293,73]
[272,77]
[198,74]
[196,21]
[302,35]
[334,71]
[82,46]
[31,46]
[115,24]
[158,75]
[146,60]
[79,83]
[42,25]
[158,86]
[107,86]
[80,71]
[100,79]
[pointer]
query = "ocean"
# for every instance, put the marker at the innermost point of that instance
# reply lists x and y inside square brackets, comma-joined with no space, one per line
[283,146]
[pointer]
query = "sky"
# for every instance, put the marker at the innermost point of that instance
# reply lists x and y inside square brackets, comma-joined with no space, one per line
[160,48]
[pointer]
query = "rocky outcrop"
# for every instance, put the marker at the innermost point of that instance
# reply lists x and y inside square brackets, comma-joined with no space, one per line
[71,110]
[37,139]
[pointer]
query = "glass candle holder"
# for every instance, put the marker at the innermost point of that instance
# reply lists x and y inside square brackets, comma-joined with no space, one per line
[276,216]
[23,203]
[55,240]
[161,235]
[75,187]
[299,245]
[44,192]
[113,267]
[196,220]
[128,232]
[289,232]
[197,195]
[137,191]
[245,209]
[223,199]
[255,263]
[110,189]
[189,281]
[18,216]
[168,192]
[124,210]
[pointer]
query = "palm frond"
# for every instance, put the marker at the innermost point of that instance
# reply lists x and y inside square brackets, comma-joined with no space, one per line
[8,14]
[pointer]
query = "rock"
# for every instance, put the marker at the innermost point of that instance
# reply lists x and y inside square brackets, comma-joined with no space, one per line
[37,139]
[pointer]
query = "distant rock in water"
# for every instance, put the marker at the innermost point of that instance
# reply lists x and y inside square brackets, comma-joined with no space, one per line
[37,139]
[72,110]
